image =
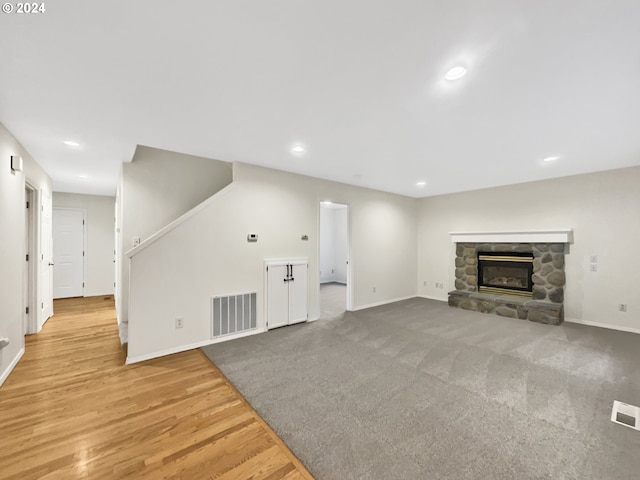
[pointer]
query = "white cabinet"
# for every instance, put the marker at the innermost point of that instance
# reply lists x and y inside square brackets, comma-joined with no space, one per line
[286,292]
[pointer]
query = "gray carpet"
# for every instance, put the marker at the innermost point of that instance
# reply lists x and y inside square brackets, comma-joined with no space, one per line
[418,390]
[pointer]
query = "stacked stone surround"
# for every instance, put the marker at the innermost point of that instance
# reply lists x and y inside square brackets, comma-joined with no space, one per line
[546,304]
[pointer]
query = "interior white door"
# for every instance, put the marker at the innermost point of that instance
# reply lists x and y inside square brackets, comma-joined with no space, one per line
[68,248]
[298,294]
[277,296]
[46,258]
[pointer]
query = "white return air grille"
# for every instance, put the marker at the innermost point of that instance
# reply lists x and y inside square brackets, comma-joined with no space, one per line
[233,314]
[625,414]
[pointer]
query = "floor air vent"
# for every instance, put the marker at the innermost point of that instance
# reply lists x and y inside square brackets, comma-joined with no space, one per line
[626,415]
[233,314]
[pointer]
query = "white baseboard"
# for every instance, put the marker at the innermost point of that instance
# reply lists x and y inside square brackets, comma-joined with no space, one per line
[98,294]
[603,325]
[11,366]
[378,304]
[184,348]
[433,298]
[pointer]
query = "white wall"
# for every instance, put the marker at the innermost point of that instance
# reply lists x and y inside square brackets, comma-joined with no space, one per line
[156,188]
[341,244]
[12,247]
[208,254]
[334,243]
[326,235]
[603,210]
[100,241]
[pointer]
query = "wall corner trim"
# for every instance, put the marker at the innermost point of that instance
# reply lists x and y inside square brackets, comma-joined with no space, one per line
[11,366]
[180,220]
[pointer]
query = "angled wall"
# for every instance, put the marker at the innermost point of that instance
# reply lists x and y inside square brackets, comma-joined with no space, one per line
[208,254]
[154,189]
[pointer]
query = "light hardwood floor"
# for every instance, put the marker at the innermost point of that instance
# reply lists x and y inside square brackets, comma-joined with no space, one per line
[72,409]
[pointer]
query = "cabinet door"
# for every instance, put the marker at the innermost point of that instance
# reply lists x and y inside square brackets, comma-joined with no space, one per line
[277,296]
[298,294]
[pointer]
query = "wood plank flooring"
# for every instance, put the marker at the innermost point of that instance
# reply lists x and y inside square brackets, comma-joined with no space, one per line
[71,409]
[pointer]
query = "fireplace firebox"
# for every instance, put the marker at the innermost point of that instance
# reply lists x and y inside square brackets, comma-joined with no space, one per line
[506,273]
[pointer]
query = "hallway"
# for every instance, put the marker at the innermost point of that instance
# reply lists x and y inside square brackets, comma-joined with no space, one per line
[72,409]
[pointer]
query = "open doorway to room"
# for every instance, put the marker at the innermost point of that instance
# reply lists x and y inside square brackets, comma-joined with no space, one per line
[334,296]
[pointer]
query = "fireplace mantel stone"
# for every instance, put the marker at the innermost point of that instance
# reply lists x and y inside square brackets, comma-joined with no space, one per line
[547,300]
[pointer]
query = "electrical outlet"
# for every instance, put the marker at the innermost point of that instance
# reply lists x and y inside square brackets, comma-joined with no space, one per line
[424,284]
[179,322]
[374,289]
[593,259]
[622,307]
[136,241]
[593,267]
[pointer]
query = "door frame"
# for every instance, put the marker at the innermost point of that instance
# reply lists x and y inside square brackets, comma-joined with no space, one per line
[30,324]
[32,241]
[350,276]
[84,242]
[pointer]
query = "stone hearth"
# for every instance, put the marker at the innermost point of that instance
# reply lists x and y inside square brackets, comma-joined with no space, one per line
[547,299]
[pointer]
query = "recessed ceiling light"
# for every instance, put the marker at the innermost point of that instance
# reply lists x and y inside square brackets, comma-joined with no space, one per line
[297,149]
[421,183]
[84,177]
[550,159]
[71,143]
[455,73]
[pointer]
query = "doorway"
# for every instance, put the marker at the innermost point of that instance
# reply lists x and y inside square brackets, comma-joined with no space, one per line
[334,269]
[68,252]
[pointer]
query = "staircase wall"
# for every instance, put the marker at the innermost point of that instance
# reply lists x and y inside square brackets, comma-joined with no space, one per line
[206,253]
[157,187]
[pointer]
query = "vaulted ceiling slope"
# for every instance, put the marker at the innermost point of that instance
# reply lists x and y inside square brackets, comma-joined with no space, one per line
[358,85]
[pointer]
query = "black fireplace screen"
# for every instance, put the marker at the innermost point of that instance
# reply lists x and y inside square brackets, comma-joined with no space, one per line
[505,272]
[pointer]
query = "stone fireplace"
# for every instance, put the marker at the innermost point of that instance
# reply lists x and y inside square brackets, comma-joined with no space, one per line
[512,274]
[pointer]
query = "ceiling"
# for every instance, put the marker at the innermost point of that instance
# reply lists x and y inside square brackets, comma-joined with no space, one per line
[360,84]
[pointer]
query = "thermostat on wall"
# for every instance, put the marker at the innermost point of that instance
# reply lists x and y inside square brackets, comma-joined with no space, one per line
[252,237]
